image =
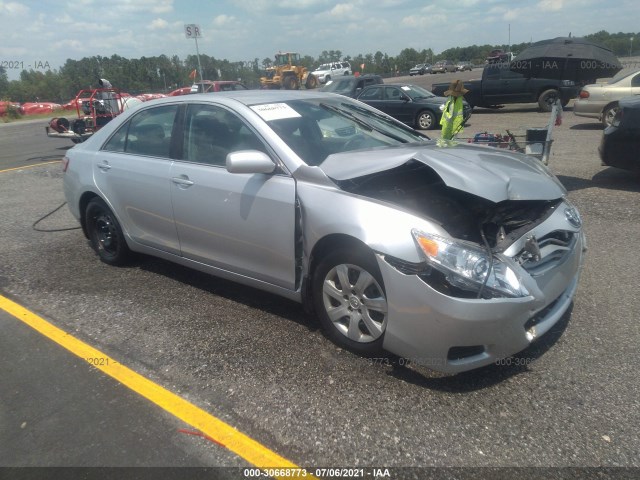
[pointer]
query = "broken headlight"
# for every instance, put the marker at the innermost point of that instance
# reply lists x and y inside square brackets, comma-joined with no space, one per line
[467,266]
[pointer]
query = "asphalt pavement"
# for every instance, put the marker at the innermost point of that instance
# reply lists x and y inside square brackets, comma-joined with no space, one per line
[58,410]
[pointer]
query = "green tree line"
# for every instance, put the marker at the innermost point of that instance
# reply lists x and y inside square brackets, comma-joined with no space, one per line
[163,73]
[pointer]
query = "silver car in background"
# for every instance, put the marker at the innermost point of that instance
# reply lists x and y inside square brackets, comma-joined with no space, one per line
[600,100]
[450,255]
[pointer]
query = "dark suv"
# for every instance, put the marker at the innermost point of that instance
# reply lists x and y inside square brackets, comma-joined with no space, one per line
[351,85]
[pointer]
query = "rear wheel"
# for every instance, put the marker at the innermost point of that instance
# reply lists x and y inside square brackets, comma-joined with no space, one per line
[426,120]
[105,234]
[350,300]
[547,99]
[609,114]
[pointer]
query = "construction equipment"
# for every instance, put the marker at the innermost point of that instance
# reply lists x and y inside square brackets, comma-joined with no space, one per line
[288,73]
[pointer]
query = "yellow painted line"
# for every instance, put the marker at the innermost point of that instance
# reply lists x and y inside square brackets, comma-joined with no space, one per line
[30,166]
[239,443]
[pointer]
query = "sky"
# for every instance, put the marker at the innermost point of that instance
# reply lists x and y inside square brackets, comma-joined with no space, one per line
[43,34]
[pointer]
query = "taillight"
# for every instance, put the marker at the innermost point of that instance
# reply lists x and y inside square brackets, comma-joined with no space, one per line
[65,164]
[584,94]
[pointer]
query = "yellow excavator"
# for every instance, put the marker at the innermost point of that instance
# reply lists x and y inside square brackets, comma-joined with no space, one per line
[288,73]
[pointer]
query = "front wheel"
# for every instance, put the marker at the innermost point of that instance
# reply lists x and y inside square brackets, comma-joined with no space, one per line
[350,300]
[290,82]
[312,81]
[105,234]
[426,120]
[547,99]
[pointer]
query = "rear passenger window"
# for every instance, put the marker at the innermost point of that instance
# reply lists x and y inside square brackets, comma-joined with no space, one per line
[149,132]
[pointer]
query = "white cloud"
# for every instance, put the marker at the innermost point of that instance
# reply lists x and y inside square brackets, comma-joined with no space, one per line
[424,21]
[223,20]
[137,6]
[341,10]
[158,24]
[513,14]
[550,5]
[13,8]
[65,18]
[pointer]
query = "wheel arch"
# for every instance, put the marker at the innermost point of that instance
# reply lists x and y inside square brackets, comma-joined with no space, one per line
[332,242]
[321,249]
[85,198]
[544,88]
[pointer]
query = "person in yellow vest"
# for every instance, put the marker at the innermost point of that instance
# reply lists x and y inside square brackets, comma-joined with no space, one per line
[452,120]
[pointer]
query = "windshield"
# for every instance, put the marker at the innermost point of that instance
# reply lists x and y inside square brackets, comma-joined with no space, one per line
[417,93]
[315,128]
[324,66]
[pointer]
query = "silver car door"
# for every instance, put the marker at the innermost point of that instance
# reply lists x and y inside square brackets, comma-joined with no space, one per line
[244,223]
[132,170]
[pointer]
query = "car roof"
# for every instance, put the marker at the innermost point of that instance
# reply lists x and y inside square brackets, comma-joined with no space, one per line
[393,85]
[245,97]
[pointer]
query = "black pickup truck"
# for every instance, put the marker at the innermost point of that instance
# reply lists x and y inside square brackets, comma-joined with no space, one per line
[500,86]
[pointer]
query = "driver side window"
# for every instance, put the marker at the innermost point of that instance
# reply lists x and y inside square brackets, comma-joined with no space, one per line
[392,93]
[212,132]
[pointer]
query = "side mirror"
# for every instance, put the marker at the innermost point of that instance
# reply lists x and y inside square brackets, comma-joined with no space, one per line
[249,161]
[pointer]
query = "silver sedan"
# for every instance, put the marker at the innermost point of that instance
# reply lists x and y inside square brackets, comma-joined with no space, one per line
[450,255]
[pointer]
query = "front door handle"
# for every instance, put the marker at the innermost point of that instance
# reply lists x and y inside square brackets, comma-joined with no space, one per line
[104,166]
[182,181]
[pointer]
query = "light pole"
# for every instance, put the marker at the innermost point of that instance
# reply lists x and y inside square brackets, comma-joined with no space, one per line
[630,46]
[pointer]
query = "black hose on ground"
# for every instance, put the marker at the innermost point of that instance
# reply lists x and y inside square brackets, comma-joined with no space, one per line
[55,229]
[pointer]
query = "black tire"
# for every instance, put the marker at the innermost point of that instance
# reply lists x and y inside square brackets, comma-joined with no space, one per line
[426,120]
[105,234]
[327,79]
[547,99]
[609,113]
[354,317]
[312,81]
[290,82]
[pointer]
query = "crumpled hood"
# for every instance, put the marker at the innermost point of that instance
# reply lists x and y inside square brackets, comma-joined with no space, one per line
[483,171]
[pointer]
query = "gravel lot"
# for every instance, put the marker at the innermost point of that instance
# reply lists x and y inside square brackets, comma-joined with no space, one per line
[260,363]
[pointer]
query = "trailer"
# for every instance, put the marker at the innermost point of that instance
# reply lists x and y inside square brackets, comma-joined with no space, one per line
[95,108]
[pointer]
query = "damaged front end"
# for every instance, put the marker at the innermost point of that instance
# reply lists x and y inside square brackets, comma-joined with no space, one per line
[467,264]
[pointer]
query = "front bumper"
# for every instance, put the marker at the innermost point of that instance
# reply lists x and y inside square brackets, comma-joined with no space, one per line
[430,328]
